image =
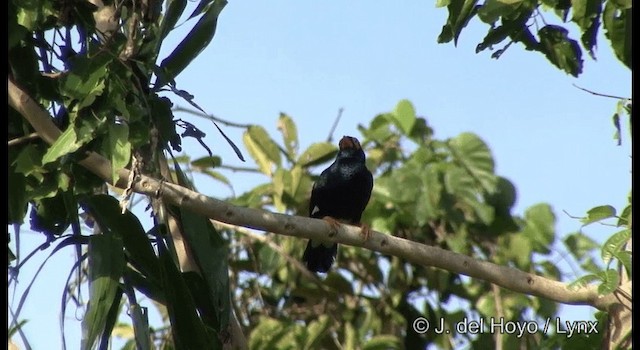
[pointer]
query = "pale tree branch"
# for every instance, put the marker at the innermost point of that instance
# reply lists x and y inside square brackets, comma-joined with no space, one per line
[304,227]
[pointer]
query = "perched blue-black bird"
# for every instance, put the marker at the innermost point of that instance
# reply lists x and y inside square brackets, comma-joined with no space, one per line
[340,195]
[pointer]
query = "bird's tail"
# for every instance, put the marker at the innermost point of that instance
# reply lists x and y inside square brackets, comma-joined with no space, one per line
[319,257]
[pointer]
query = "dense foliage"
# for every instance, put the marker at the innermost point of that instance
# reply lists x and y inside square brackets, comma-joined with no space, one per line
[95,69]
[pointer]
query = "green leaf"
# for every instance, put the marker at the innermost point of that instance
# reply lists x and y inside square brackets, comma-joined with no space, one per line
[317,153]
[583,281]
[212,255]
[141,326]
[186,327]
[267,334]
[106,211]
[519,250]
[315,332]
[404,116]
[207,162]
[175,8]
[262,148]
[610,281]
[580,245]
[65,144]
[289,134]
[540,222]
[616,20]
[492,10]
[474,155]
[85,81]
[120,148]
[460,12]
[614,244]
[563,52]
[193,43]
[598,214]
[383,342]
[106,265]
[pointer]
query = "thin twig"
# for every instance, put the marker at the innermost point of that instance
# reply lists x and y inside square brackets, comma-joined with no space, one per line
[601,95]
[210,117]
[335,124]
[21,139]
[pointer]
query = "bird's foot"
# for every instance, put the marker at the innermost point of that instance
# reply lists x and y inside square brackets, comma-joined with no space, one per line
[333,223]
[365,231]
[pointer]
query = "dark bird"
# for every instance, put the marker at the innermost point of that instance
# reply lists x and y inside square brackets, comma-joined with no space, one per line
[340,195]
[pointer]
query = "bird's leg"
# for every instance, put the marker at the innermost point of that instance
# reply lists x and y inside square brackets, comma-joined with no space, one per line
[365,231]
[333,223]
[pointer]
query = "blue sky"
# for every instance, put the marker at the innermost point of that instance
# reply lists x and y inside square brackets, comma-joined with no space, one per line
[308,59]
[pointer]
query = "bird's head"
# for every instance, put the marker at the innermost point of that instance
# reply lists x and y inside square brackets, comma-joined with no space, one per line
[350,148]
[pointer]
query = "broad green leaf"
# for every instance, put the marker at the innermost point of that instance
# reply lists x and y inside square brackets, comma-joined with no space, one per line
[519,250]
[317,153]
[492,10]
[207,162]
[73,138]
[580,245]
[614,244]
[193,43]
[65,144]
[598,214]
[404,116]
[460,12]
[85,81]
[540,223]
[120,148]
[289,134]
[262,148]
[610,281]
[473,154]
[560,50]
[106,265]
[616,20]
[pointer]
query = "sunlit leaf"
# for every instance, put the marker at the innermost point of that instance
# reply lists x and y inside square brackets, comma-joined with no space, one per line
[289,132]
[120,148]
[405,116]
[614,244]
[474,155]
[598,214]
[317,153]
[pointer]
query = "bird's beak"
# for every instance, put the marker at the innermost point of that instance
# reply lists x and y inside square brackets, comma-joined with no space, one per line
[348,142]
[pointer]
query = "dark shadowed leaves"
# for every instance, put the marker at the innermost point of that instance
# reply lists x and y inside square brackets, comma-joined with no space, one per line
[560,50]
